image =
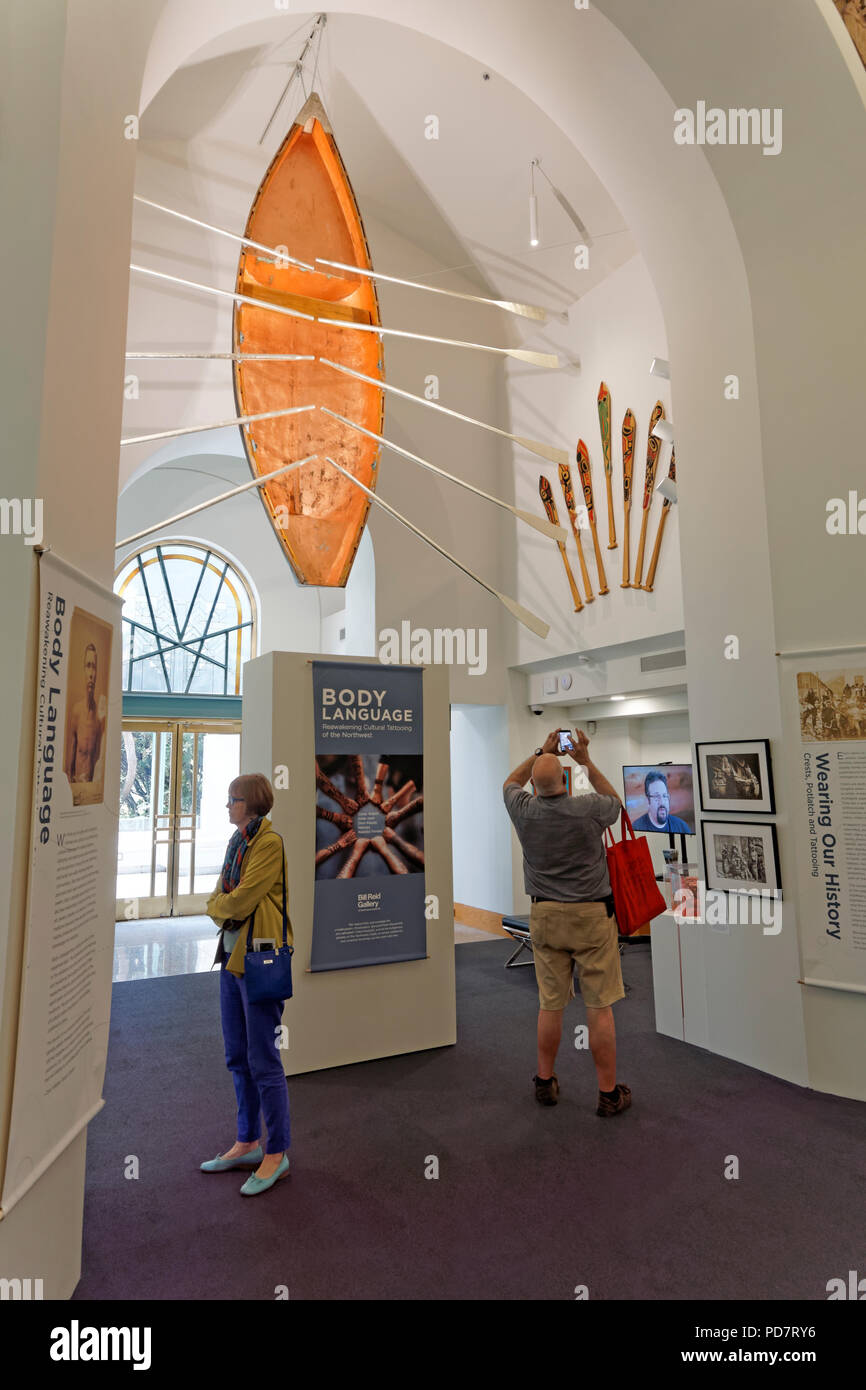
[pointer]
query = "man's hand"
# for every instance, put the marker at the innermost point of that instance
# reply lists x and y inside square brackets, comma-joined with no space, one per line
[551,743]
[580,751]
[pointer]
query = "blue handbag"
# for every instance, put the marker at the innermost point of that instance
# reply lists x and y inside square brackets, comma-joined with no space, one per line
[268,974]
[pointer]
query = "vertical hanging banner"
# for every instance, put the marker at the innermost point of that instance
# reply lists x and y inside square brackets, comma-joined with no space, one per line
[69,943]
[369,863]
[824,700]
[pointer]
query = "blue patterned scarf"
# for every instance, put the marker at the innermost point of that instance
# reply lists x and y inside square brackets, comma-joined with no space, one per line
[237,848]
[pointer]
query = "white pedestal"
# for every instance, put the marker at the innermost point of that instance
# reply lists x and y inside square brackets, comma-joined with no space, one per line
[679,981]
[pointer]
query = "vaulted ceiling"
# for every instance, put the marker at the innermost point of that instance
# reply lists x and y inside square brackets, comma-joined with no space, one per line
[462,198]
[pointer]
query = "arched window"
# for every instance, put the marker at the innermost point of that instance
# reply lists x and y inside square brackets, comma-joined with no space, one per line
[188,621]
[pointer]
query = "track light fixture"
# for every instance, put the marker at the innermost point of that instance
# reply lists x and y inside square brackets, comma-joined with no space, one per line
[560,198]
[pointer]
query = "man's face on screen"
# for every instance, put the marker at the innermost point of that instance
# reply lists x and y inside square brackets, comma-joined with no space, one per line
[659,803]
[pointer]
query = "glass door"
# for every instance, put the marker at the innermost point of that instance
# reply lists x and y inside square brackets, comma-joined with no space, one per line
[174,827]
[209,759]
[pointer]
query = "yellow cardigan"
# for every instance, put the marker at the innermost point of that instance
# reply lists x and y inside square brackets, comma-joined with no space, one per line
[260,890]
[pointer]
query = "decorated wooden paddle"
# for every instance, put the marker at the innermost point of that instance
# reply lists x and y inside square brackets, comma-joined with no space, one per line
[604,426]
[629,425]
[586,478]
[652,458]
[546,494]
[668,503]
[568,494]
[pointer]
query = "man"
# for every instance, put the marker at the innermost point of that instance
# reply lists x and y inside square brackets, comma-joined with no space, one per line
[745,779]
[85,729]
[571,919]
[851,715]
[756,861]
[719,781]
[830,728]
[810,710]
[736,866]
[659,817]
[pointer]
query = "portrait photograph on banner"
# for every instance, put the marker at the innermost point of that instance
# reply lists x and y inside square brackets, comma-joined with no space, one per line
[87,707]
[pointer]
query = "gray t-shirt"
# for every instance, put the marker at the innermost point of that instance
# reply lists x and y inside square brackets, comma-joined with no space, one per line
[563,849]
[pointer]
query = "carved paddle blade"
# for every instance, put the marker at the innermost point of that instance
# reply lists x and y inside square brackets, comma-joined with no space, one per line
[604,426]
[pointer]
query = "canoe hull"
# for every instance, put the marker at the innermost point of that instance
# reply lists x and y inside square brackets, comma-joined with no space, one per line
[306,208]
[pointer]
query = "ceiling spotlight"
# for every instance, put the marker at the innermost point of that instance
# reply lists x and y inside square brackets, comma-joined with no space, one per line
[661,368]
[617,697]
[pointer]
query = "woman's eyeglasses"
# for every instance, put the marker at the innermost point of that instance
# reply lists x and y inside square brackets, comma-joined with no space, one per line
[233,799]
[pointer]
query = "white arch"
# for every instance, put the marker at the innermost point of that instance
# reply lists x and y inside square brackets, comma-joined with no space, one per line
[757,263]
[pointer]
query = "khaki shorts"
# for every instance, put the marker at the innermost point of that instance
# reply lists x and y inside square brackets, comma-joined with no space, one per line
[568,934]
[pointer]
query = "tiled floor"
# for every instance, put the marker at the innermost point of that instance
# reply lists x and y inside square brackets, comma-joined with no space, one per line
[157,946]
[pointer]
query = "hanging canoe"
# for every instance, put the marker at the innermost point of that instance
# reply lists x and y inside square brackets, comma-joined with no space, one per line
[306,207]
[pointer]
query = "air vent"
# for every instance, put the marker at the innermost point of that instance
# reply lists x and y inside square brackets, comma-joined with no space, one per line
[663,661]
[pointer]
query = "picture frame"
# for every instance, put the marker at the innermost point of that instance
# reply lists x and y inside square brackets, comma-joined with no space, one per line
[741,857]
[736,775]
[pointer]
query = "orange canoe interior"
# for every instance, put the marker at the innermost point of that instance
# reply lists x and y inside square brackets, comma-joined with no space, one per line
[306,207]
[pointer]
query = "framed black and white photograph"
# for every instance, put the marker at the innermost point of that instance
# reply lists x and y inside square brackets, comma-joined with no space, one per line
[736,776]
[741,857]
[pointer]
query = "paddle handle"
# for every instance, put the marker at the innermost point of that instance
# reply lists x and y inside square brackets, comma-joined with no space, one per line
[626,581]
[611,528]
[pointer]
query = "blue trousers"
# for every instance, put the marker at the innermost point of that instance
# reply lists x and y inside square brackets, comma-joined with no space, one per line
[253,1058]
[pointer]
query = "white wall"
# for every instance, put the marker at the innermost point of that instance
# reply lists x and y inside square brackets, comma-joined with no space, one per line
[615,330]
[479,766]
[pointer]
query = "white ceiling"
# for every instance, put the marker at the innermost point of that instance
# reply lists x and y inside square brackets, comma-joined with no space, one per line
[462,199]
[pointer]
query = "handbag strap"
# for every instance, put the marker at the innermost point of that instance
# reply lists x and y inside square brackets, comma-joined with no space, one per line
[626,830]
[285,912]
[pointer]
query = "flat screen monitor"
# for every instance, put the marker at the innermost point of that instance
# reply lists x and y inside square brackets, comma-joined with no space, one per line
[660,798]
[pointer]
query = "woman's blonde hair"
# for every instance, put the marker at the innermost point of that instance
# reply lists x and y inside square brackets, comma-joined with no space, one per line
[256,791]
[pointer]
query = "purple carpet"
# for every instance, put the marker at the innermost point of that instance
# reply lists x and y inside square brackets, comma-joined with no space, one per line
[529,1202]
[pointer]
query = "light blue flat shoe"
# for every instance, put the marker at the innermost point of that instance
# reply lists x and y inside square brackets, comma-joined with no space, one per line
[222,1165]
[253,1185]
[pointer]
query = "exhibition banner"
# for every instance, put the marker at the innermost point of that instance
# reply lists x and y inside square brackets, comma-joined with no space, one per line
[369,859]
[825,715]
[69,942]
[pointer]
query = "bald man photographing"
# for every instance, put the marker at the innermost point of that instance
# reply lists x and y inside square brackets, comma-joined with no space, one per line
[571,920]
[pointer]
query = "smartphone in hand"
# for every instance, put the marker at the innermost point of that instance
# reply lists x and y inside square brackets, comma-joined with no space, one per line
[566,742]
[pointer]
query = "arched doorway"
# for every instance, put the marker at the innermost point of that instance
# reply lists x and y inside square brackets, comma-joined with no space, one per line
[189,623]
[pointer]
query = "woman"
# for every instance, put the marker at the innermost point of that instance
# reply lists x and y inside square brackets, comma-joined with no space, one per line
[252,881]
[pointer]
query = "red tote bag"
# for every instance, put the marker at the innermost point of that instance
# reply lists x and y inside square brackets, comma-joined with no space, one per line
[636,896]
